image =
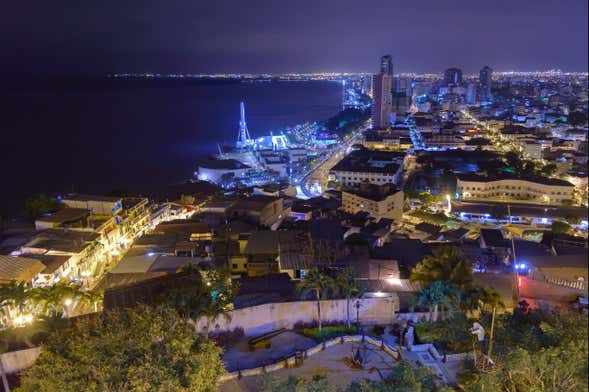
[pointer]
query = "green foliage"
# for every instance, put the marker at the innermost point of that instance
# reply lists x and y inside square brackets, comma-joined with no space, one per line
[428,217]
[19,298]
[140,349]
[404,377]
[426,198]
[320,285]
[540,350]
[560,227]
[210,297]
[347,286]
[450,335]
[297,384]
[448,264]
[346,120]
[40,204]
[329,332]
[438,294]
[548,170]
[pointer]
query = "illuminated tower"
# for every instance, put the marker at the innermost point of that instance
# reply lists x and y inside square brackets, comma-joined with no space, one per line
[486,82]
[243,138]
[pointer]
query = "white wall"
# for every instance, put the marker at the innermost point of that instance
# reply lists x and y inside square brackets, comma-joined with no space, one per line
[260,319]
[16,361]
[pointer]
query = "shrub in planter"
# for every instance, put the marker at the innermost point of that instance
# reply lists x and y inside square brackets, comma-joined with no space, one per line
[329,332]
[378,330]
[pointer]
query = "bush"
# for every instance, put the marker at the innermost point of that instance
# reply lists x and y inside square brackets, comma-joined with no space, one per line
[329,332]
[227,338]
[378,330]
[447,335]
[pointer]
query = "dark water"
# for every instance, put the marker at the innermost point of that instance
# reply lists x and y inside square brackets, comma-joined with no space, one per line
[100,136]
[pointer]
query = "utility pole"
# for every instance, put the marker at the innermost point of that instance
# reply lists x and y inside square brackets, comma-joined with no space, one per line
[491,334]
[514,258]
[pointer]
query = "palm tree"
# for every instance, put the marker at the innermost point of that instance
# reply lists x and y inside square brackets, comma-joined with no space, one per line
[56,299]
[436,294]
[346,283]
[14,298]
[320,285]
[448,264]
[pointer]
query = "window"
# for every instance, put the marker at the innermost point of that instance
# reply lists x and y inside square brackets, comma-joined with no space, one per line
[234,266]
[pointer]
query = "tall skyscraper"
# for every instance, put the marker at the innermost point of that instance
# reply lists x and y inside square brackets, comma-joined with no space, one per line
[485,83]
[453,77]
[386,65]
[471,94]
[382,88]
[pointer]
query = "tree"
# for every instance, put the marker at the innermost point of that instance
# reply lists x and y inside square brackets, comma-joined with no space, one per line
[320,285]
[551,369]
[537,350]
[404,377]
[139,349]
[548,170]
[346,282]
[560,227]
[40,204]
[209,297]
[14,298]
[438,293]
[446,263]
[297,384]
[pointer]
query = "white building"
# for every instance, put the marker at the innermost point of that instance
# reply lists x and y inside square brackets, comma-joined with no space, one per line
[380,201]
[375,167]
[213,170]
[538,190]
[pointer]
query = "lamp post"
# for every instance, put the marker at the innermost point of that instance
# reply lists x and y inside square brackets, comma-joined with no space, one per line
[514,258]
[357,313]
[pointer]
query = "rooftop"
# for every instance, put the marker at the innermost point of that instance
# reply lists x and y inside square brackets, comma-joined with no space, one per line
[19,268]
[372,191]
[84,197]
[370,161]
[64,215]
[497,177]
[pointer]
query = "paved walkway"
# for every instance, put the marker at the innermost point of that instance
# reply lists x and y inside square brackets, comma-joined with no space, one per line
[281,346]
[332,363]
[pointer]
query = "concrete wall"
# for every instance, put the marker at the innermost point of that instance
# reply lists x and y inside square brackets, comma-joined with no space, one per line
[16,361]
[260,319]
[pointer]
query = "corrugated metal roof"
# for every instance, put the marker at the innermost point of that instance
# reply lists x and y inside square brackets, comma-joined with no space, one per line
[19,268]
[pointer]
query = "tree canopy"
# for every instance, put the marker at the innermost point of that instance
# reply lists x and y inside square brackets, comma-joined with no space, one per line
[139,349]
[40,204]
[446,263]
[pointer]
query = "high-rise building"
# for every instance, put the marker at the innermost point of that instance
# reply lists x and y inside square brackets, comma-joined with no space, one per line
[453,77]
[485,83]
[402,91]
[471,94]
[382,93]
[382,86]
[386,65]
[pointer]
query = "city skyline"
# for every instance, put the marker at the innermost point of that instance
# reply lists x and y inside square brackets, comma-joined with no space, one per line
[262,37]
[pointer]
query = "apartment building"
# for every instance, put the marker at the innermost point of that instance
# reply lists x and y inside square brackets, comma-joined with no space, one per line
[532,189]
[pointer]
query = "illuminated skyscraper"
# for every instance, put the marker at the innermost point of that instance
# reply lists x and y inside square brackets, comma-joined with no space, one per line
[485,83]
[386,65]
[382,87]
[453,77]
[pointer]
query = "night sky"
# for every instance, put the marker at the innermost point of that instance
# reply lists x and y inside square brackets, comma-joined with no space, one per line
[106,36]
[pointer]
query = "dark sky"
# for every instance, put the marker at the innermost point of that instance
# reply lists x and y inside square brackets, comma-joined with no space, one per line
[99,37]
